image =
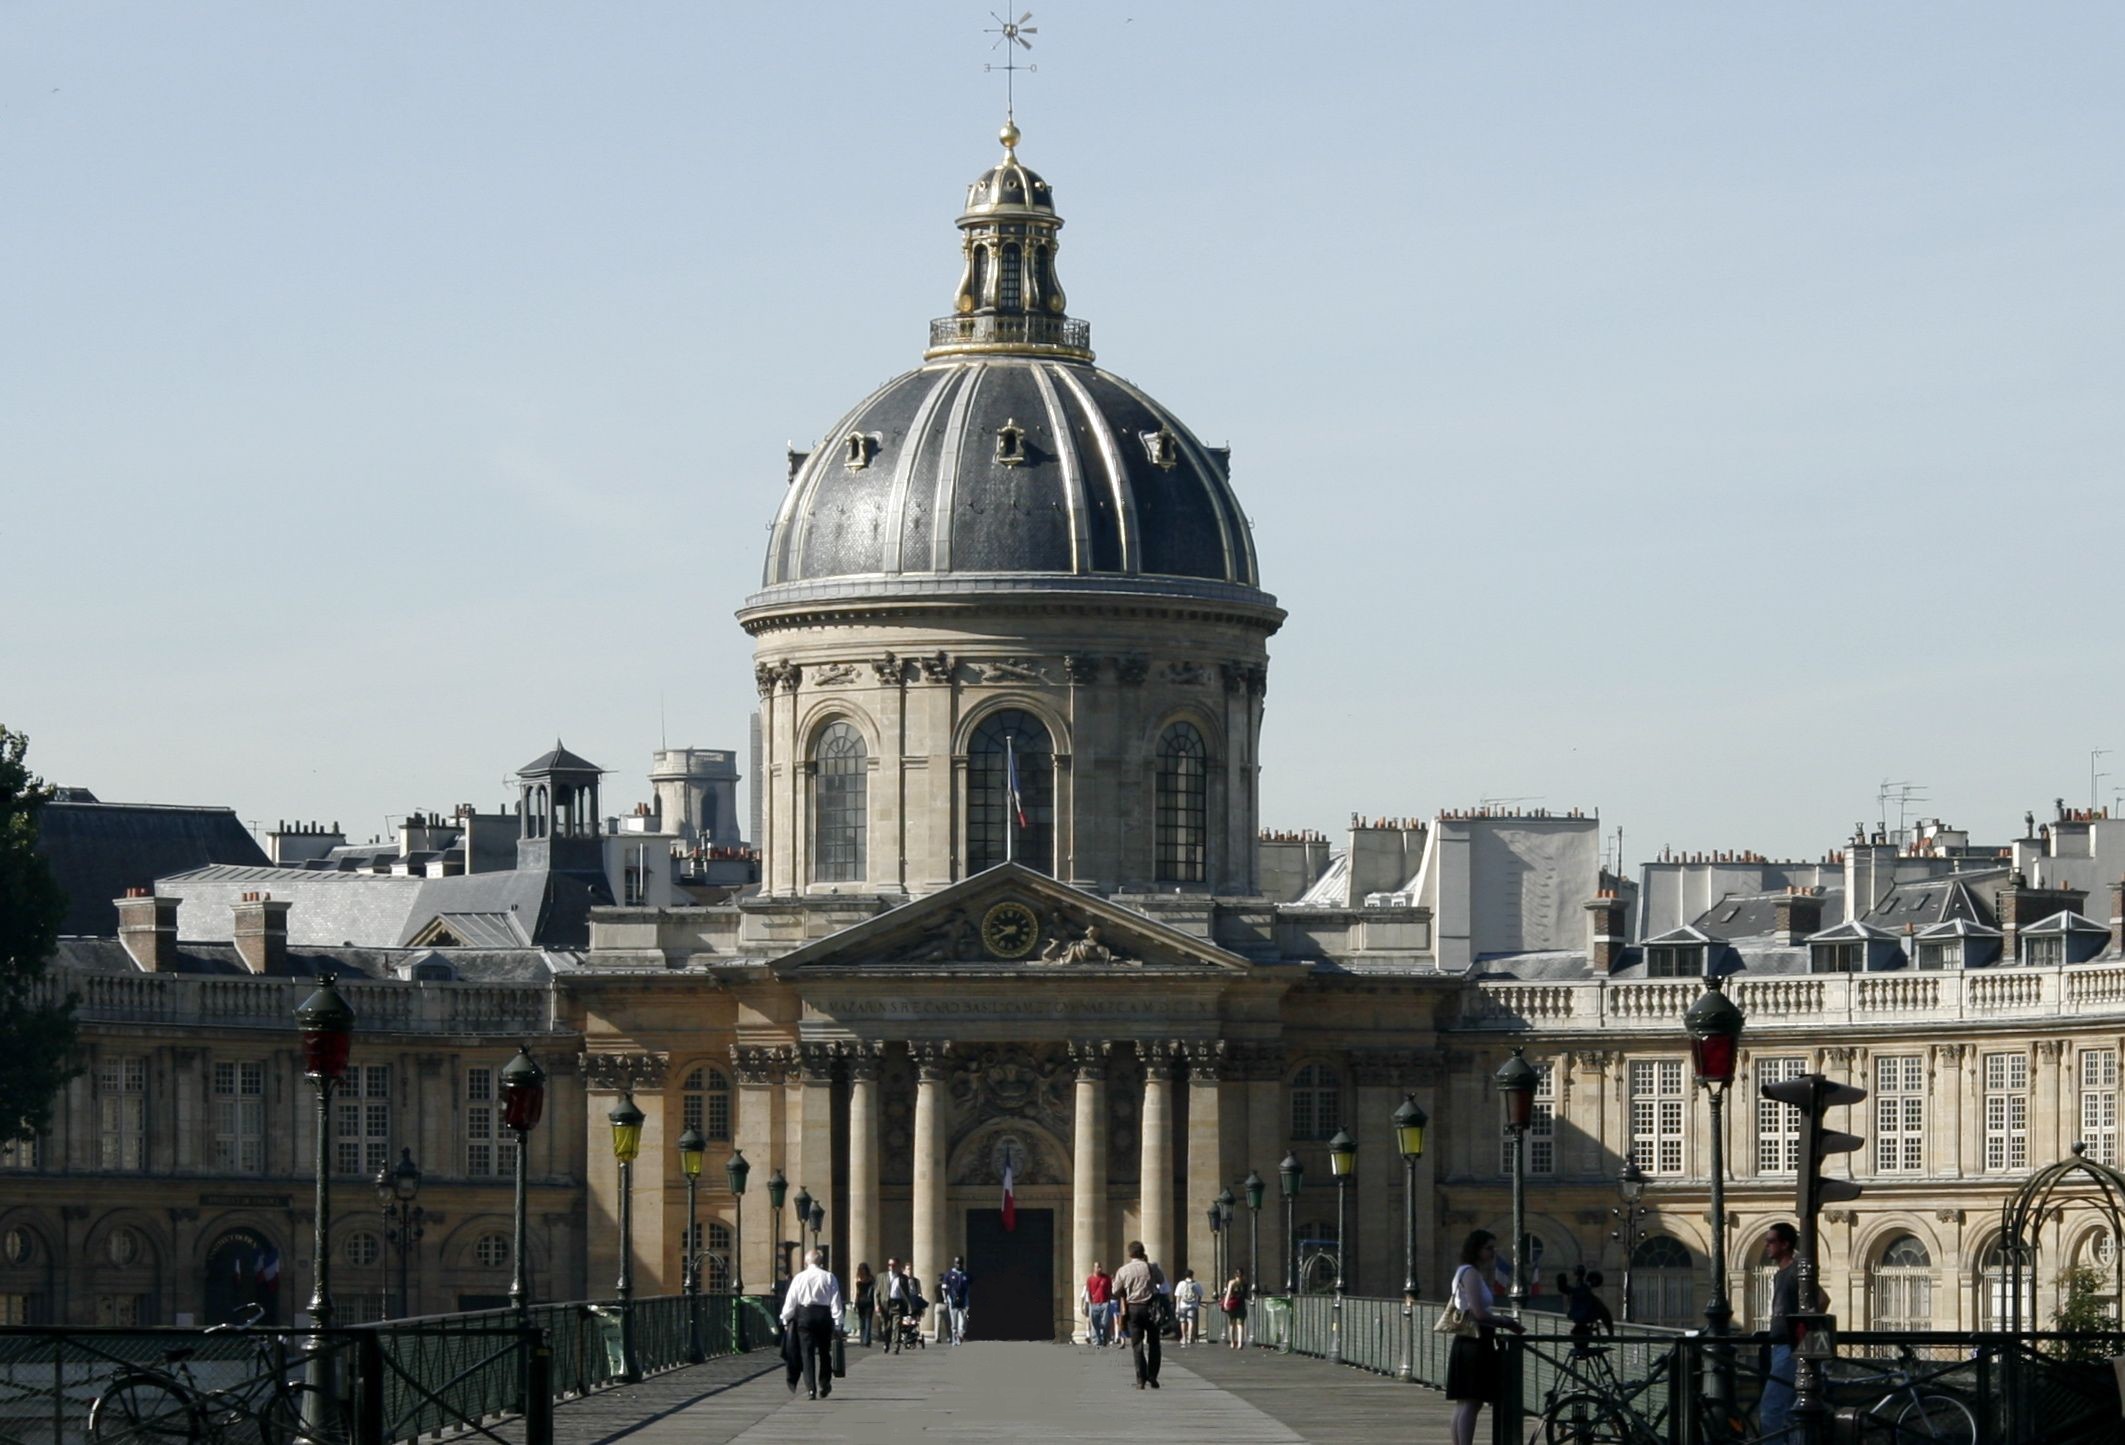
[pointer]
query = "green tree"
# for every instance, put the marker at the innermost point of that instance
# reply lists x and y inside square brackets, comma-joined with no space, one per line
[39,1032]
[2083,1312]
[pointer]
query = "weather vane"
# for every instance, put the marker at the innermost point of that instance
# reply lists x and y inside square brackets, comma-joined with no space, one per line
[1006,32]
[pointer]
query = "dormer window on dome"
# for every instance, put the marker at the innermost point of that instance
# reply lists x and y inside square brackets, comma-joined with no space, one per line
[1163,447]
[859,448]
[1011,443]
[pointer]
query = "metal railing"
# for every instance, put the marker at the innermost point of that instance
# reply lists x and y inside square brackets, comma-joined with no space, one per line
[1048,333]
[215,1001]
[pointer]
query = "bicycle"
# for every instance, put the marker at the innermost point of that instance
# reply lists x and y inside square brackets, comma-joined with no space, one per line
[146,1405]
[1588,1404]
[1905,1413]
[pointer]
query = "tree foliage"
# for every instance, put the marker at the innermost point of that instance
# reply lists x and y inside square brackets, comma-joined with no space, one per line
[2083,1311]
[38,1032]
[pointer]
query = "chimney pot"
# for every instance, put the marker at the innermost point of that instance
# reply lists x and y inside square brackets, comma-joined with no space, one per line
[147,927]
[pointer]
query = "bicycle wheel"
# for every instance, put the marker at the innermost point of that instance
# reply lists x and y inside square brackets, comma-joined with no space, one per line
[143,1410]
[1585,1420]
[299,1414]
[1941,1418]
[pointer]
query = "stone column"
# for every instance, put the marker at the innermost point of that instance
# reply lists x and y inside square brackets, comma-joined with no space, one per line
[1156,1176]
[758,1071]
[931,1259]
[1088,1173]
[862,1232]
[1268,1135]
[1206,1166]
[815,1141]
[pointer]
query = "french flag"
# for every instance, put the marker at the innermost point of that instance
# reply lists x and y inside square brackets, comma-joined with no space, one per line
[1010,1200]
[1018,797]
[268,1274]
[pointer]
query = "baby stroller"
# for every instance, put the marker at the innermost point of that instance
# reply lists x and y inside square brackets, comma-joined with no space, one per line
[910,1324]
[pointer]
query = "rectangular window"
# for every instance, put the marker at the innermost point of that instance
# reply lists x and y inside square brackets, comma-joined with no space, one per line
[240,1116]
[1900,1115]
[1541,1127]
[1674,960]
[19,1155]
[1659,1111]
[2099,1104]
[1933,955]
[18,1309]
[121,1113]
[2043,950]
[1777,1125]
[1840,957]
[361,1130]
[2006,1112]
[122,1310]
[489,1148]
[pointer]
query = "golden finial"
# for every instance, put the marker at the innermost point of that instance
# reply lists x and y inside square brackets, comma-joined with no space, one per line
[1009,136]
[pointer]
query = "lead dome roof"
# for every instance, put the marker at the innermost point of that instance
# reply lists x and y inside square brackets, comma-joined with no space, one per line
[1009,461]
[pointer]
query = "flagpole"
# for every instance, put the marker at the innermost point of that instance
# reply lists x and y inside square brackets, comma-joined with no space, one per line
[1010,822]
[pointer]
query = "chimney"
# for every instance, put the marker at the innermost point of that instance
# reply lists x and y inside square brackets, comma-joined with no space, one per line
[1607,932]
[2117,917]
[262,933]
[1796,915]
[147,926]
[2020,905]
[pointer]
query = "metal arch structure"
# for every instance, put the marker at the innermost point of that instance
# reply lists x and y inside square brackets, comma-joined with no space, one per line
[2045,1197]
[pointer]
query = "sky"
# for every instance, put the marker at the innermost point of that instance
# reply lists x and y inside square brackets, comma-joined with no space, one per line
[1698,414]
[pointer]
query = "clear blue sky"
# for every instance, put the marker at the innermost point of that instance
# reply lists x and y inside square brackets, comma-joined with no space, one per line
[1699,413]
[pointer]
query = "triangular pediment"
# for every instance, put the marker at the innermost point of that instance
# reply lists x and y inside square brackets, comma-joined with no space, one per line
[1011,918]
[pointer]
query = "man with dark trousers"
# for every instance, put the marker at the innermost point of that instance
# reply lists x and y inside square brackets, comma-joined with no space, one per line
[811,1316]
[1136,1286]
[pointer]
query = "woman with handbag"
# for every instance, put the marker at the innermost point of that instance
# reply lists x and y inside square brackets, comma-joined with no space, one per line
[1472,1368]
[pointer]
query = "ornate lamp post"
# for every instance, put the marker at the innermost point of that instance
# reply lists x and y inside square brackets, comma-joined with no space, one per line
[1255,1190]
[1291,1175]
[1225,1202]
[1217,1245]
[626,1121]
[818,1221]
[734,1174]
[395,1191]
[777,1191]
[523,1101]
[1630,1183]
[327,1028]
[1715,1023]
[1342,1163]
[803,1203]
[1516,1080]
[1409,1143]
[691,1147]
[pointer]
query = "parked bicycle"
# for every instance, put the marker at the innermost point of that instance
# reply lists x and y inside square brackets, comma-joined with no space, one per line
[1589,1404]
[167,1404]
[1912,1405]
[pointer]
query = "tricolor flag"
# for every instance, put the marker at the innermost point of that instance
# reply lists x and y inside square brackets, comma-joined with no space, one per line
[1018,797]
[1010,1200]
[269,1268]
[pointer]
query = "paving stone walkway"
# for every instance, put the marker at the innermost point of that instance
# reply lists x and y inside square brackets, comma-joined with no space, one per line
[1013,1392]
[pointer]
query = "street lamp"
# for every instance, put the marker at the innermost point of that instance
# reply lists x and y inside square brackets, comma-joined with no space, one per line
[1409,1143]
[1292,1175]
[1715,1023]
[1516,1080]
[734,1174]
[803,1203]
[1342,1163]
[523,1102]
[691,1147]
[777,1191]
[326,1025]
[818,1221]
[1630,1183]
[1217,1250]
[1225,1201]
[626,1121]
[395,1191]
[1255,1190]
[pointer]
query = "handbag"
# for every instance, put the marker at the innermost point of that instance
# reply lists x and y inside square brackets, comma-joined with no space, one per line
[841,1354]
[1452,1321]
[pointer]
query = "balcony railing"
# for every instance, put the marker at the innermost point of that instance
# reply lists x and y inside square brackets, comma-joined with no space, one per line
[1809,1000]
[1064,335]
[212,1001]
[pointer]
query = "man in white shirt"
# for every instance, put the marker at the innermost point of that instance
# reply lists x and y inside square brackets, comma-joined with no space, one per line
[811,1317]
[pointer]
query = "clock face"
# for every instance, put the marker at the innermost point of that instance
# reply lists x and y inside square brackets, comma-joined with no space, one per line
[1009,930]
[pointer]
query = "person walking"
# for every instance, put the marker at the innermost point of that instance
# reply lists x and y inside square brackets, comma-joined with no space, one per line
[892,1306]
[955,1285]
[866,1302]
[1188,1305]
[811,1317]
[1774,1414]
[1472,1367]
[1136,1287]
[1096,1298]
[1234,1304]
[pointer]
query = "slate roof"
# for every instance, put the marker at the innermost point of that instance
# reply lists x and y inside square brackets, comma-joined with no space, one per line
[98,850]
[373,910]
[560,760]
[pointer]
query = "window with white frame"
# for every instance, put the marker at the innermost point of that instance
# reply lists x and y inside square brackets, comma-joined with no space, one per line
[1901,1288]
[1316,1102]
[2047,948]
[122,1113]
[239,1116]
[1899,1114]
[1777,1125]
[2099,1104]
[704,1104]
[715,1269]
[1541,1126]
[19,1155]
[361,1135]
[1659,1114]
[1674,960]
[2006,1112]
[489,1148]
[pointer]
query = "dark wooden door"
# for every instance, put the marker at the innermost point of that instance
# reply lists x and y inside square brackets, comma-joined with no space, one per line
[1013,1291]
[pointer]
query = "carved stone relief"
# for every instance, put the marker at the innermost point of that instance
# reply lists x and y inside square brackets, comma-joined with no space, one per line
[1081,669]
[1187,674]
[834,674]
[1132,669]
[937,667]
[623,1070]
[1008,669]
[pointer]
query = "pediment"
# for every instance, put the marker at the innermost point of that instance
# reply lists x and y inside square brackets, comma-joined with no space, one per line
[1011,919]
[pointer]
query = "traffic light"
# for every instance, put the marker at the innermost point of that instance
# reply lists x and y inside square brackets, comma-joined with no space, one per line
[1814,1095]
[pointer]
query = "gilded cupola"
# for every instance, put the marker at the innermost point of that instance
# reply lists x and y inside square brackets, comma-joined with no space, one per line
[1009,298]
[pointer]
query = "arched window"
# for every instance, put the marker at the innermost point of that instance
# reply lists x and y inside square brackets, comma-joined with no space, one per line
[1663,1283]
[1317,1256]
[704,1104]
[718,1261]
[1902,1287]
[1316,1102]
[840,796]
[1003,823]
[491,1250]
[1183,786]
[1007,279]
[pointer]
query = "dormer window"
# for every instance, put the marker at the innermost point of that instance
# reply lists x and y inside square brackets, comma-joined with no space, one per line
[1839,957]
[1938,955]
[1674,960]
[2044,951]
[1163,447]
[858,449]
[1011,444]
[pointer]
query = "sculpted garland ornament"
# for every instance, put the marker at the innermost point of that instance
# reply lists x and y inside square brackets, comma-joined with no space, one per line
[1010,929]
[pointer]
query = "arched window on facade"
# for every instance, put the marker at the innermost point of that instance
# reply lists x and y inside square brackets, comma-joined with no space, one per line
[1003,824]
[1900,1294]
[1663,1283]
[715,1268]
[1316,1102]
[704,1104]
[1994,1283]
[840,799]
[1182,805]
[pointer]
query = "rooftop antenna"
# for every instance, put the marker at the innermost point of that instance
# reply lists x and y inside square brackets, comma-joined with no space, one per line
[1007,32]
[1903,795]
[2095,777]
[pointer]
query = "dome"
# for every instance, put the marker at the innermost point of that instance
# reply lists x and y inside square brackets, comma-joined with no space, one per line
[1009,461]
